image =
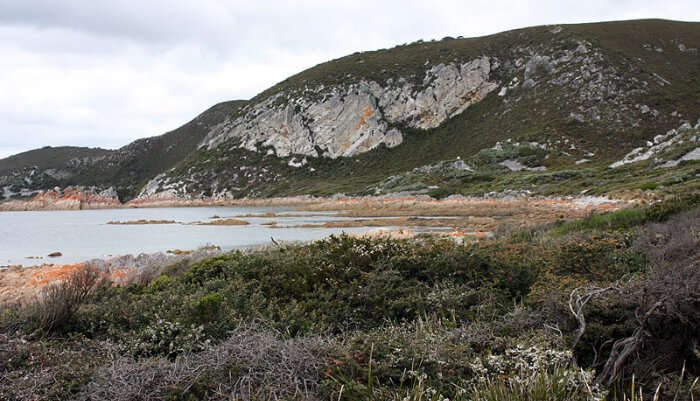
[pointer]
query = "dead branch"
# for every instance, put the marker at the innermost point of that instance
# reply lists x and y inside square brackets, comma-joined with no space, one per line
[623,348]
[578,299]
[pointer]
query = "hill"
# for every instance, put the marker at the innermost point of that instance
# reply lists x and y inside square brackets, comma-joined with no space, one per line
[545,109]
[126,169]
[575,99]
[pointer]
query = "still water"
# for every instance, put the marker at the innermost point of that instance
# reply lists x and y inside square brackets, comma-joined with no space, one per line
[83,234]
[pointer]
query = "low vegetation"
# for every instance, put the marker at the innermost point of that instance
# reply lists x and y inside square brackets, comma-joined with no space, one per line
[602,308]
[224,222]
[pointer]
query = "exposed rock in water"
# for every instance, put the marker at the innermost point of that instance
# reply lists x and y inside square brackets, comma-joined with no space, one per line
[224,222]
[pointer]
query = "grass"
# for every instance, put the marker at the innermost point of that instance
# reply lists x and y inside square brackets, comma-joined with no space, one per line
[546,385]
[621,219]
[627,218]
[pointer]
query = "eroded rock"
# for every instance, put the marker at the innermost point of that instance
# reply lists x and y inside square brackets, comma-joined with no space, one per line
[358,117]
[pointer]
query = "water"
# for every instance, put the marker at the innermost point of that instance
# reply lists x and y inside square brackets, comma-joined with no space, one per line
[83,234]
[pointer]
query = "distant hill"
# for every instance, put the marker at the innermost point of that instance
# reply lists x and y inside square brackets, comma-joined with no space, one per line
[544,109]
[49,157]
[127,168]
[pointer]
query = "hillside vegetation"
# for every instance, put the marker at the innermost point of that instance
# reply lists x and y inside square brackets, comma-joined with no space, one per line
[126,169]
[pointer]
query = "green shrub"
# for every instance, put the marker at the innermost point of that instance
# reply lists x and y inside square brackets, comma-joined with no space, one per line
[661,211]
[166,338]
[649,186]
[207,308]
[620,219]
[161,283]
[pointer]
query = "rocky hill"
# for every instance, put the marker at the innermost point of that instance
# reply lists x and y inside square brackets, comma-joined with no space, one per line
[124,170]
[596,108]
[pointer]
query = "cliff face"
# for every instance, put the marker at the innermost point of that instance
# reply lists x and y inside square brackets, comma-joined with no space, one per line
[347,120]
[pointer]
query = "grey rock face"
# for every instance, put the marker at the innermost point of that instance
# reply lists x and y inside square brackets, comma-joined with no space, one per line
[349,120]
[529,83]
[538,65]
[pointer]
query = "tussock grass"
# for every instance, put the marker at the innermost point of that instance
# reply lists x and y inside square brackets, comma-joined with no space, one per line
[621,219]
[627,218]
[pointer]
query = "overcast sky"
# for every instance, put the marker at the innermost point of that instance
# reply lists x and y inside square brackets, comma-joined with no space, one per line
[103,73]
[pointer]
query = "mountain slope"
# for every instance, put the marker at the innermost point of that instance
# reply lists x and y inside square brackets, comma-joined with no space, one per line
[545,109]
[593,92]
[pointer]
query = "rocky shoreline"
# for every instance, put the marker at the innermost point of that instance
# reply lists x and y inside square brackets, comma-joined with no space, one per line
[81,198]
[20,283]
[480,217]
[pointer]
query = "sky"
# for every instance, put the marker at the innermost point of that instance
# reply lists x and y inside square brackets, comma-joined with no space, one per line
[104,73]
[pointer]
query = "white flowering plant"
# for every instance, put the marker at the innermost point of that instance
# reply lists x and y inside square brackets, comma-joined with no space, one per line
[167,338]
[531,372]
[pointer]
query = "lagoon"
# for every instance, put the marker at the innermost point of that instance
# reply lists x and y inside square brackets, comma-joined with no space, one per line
[27,238]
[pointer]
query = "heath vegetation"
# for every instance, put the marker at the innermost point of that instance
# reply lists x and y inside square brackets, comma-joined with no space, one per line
[601,308]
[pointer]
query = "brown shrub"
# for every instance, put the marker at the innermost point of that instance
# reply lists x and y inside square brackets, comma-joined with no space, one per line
[253,363]
[667,304]
[59,302]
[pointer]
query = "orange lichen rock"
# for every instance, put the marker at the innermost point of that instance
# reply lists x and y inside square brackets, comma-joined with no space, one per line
[367,113]
[18,283]
[179,252]
[69,198]
[383,233]
[475,234]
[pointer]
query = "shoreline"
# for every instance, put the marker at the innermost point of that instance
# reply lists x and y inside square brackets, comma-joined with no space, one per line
[20,283]
[477,219]
[55,201]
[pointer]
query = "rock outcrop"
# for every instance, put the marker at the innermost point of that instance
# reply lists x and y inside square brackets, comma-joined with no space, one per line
[20,283]
[70,198]
[359,117]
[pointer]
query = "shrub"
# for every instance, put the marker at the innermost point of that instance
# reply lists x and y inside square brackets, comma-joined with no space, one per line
[161,283]
[59,302]
[648,186]
[661,211]
[207,308]
[166,338]
[254,362]
[621,219]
